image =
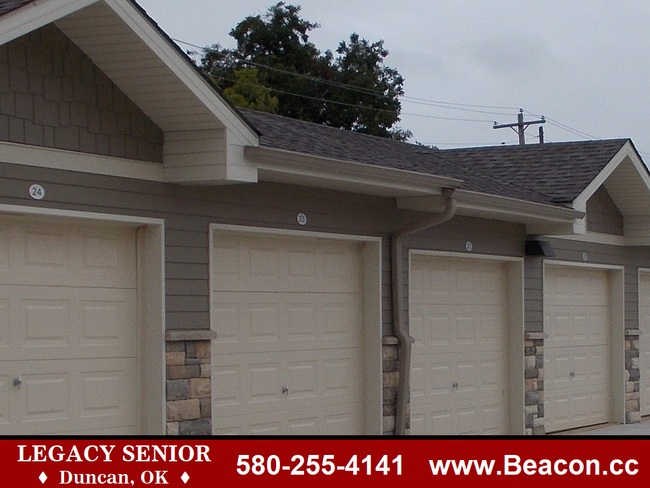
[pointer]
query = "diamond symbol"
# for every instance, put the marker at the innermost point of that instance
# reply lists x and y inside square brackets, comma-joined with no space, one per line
[185,477]
[42,477]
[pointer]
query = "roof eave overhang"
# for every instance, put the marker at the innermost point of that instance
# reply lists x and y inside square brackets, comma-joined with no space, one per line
[539,218]
[284,166]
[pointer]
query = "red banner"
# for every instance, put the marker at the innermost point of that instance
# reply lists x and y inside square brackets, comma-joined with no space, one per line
[287,462]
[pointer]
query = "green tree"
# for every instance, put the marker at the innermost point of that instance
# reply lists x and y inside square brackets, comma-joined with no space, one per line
[355,91]
[247,92]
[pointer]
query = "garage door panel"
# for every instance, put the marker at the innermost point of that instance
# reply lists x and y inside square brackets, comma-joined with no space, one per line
[277,264]
[458,317]
[60,322]
[244,386]
[288,315]
[63,396]
[438,420]
[329,379]
[67,255]
[328,420]
[577,351]
[472,283]
[576,326]
[261,322]
[571,286]
[68,328]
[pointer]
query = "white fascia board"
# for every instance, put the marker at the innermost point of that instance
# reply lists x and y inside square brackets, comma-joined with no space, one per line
[47,157]
[289,164]
[512,207]
[627,151]
[593,238]
[183,70]
[35,15]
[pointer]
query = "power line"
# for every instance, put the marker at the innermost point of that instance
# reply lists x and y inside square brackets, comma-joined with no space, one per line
[417,101]
[465,107]
[323,100]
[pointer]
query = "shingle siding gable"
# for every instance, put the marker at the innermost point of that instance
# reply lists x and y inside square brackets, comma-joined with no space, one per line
[603,215]
[52,95]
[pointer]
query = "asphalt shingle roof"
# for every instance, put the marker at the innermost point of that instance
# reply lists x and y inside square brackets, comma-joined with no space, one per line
[552,173]
[560,170]
[9,5]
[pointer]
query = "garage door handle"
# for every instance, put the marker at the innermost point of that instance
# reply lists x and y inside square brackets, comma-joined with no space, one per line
[18,381]
[454,385]
[572,374]
[285,390]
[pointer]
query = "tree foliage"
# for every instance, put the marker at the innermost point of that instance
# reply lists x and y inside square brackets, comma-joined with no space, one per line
[354,90]
[247,92]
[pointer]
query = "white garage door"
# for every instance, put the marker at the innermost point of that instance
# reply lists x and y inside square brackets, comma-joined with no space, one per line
[68,329]
[288,356]
[644,342]
[577,321]
[458,317]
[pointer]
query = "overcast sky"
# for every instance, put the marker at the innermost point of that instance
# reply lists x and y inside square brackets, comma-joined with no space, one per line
[583,64]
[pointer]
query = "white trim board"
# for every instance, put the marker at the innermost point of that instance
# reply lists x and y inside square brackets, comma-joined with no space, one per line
[150,236]
[46,157]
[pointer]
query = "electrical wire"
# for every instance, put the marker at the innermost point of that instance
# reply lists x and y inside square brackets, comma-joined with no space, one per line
[392,112]
[465,107]
[413,100]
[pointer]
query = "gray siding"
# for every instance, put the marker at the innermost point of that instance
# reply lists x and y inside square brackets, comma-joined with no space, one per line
[188,212]
[533,294]
[52,95]
[631,258]
[603,215]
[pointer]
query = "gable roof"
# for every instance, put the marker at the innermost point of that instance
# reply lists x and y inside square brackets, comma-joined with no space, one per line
[561,170]
[550,181]
[205,135]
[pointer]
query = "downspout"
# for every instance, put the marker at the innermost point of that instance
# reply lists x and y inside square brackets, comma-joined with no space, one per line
[397,286]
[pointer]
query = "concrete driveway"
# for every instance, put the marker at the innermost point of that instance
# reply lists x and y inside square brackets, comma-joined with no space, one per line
[615,429]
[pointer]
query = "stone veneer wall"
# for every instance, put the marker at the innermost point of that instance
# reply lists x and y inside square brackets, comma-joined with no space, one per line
[390,381]
[534,377]
[632,376]
[189,390]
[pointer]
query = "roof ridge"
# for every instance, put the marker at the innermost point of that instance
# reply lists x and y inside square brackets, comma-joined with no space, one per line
[536,146]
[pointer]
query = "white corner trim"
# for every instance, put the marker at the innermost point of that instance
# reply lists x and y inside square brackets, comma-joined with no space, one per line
[45,157]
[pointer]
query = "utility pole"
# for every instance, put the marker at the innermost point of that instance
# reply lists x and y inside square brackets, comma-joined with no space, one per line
[521,127]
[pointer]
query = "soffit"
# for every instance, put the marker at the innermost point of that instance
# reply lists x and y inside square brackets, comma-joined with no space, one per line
[133,66]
